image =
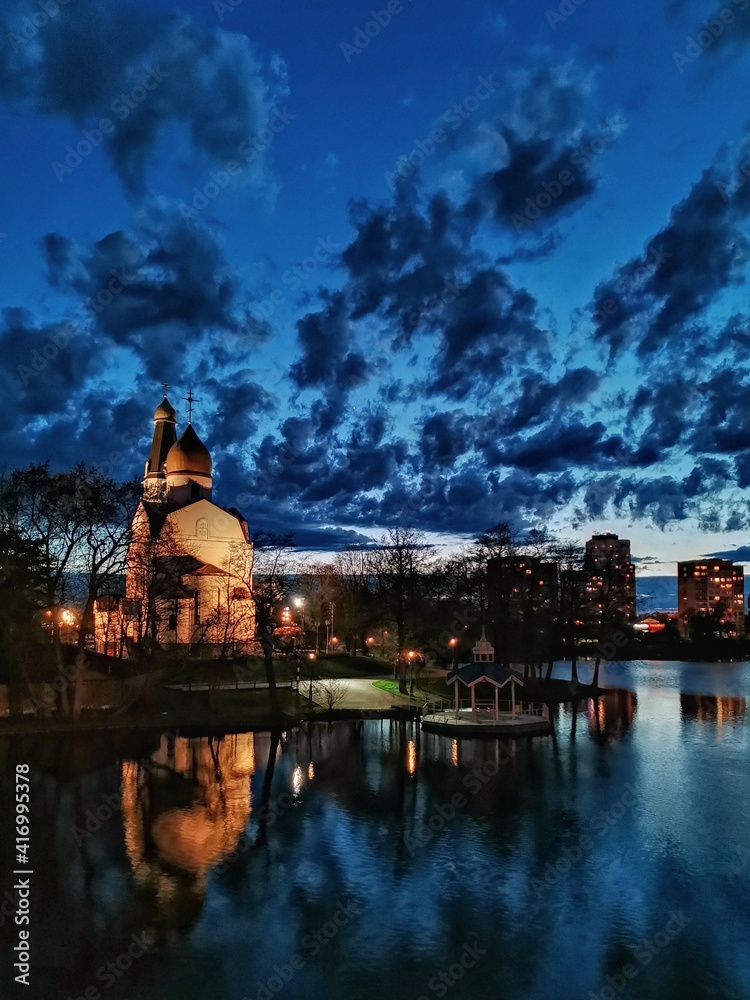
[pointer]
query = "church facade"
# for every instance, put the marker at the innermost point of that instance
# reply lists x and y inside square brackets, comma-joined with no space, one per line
[188,580]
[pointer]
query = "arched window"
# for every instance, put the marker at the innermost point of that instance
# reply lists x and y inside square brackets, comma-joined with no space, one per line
[195,491]
[201,528]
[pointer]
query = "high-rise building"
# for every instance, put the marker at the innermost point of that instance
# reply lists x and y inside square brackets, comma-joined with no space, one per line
[611,576]
[714,587]
[522,594]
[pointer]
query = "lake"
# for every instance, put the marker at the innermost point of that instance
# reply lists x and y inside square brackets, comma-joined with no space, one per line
[368,859]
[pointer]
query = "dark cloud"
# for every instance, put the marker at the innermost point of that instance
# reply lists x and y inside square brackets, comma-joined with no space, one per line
[540,398]
[145,72]
[739,554]
[489,330]
[654,300]
[45,365]
[548,152]
[159,290]
[241,405]
[444,438]
[405,264]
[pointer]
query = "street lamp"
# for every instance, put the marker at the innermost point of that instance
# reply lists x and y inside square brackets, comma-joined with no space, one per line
[453,643]
[299,602]
[311,657]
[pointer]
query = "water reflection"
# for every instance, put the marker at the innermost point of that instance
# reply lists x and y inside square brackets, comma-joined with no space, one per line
[184,810]
[611,715]
[705,708]
[558,857]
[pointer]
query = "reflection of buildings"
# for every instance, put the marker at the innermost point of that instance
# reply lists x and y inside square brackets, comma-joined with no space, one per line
[612,714]
[707,708]
[184,812]
[711,586]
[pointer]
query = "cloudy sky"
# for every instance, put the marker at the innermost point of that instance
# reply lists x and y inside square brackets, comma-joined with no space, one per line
[431,263]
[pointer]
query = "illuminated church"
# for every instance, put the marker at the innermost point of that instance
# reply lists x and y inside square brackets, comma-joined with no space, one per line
[188,580]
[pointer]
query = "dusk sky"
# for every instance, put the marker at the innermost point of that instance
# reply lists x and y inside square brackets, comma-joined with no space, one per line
[442,264]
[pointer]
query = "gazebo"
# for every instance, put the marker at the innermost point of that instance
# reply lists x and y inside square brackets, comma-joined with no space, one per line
[483,669]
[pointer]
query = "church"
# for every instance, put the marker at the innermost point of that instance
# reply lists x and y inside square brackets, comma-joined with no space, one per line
[188,579]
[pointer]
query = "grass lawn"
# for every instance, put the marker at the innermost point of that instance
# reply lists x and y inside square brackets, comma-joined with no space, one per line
[251,668]
[391,687]
[431,689]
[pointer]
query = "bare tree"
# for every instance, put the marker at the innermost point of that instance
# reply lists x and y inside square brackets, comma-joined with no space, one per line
[330,692]
[274,579]
[400,564]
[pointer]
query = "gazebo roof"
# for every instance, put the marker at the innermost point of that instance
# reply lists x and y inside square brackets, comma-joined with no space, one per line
[472,673]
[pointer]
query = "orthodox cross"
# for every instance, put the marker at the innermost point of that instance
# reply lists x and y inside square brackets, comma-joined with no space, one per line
[166,386]
[190,399]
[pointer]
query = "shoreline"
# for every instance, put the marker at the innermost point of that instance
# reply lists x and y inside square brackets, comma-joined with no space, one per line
[195,715]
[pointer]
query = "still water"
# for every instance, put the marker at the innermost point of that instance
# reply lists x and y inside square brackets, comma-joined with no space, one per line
[369,859]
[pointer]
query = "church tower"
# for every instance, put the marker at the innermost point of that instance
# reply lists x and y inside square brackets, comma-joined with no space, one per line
[188,467]
[165,436]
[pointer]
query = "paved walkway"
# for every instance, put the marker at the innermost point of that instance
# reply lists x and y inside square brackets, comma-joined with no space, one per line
[360,693]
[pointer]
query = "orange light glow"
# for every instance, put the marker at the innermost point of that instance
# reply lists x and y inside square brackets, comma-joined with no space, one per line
[411,757]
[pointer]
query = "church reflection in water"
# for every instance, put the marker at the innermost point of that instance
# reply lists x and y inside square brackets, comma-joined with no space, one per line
[184,811]
[708,708]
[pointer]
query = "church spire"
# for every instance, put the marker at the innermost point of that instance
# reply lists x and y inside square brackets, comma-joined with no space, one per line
[164,436]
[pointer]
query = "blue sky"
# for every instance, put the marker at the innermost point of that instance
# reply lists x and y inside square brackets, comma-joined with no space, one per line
[490,265]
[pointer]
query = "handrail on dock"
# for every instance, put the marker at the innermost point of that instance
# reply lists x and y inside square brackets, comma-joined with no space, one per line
[485,709]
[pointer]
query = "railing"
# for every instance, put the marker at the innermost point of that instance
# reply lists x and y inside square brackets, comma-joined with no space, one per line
[485,710]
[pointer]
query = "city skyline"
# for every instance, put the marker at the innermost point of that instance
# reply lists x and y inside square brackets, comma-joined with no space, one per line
[446,270]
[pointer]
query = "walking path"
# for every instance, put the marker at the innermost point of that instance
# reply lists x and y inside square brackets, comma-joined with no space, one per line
[360,693]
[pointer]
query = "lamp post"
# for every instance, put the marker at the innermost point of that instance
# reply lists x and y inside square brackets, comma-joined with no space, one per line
[329,626]
[299,602]
[453,643]
[311,658]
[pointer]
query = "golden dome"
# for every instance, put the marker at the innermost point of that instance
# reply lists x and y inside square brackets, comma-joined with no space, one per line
[189,454]
[164,411]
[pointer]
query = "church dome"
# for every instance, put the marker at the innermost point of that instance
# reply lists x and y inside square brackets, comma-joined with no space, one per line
[189,454]
[165,411]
